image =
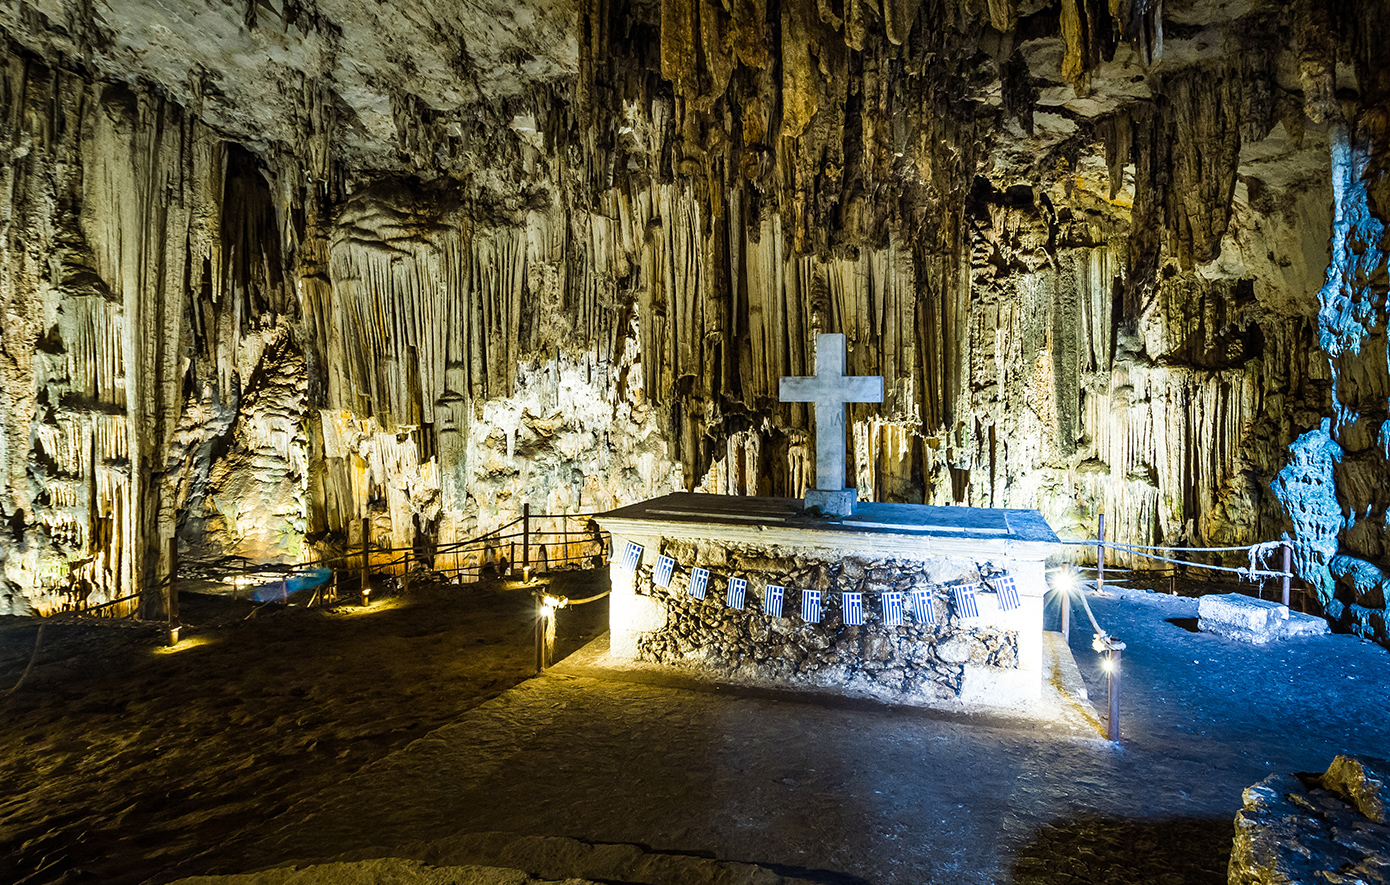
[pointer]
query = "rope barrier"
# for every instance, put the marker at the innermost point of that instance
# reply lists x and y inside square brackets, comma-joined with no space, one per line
[1168,546]
[32,658]
[1251,573]
[565,602]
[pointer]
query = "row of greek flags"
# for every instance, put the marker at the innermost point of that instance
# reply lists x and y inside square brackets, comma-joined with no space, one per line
[851,604]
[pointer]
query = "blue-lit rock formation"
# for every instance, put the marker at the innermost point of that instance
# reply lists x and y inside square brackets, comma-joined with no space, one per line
[1307,489]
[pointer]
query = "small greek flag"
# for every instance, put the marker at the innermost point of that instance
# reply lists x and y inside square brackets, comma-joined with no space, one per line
[924,607]
[853,605]
[1004,585]
[810,606]
[665,567]
[964,595]
[892,609]
[737,587]
[632,557]
[699,582]
[772,601]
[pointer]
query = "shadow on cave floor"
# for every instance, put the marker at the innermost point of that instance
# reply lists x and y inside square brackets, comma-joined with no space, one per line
[119,757]
[1092,849]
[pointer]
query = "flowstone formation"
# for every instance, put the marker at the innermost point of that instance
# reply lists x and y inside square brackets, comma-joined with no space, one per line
[269,269]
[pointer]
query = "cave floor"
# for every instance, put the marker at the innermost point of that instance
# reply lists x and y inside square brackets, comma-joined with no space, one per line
[820,789]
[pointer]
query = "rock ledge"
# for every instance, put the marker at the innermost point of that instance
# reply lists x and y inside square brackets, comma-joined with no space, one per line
[1311,828]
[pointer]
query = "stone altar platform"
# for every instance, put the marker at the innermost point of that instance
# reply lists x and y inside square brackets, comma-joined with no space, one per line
[897,601]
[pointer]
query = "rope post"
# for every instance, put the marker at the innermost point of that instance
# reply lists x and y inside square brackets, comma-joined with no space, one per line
[366,564]
[526,540]
[405,575]
[1112,666]
[172,602]
[1288,567]
[1066,609]
[540,635]
[1100,551]
[284,589]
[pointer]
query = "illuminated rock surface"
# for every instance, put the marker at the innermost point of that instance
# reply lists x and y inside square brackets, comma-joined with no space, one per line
[269,268]
[1315,829]
[1236,616]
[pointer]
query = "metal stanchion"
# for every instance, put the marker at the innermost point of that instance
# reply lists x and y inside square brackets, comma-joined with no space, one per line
[1288,566]
[1110,648]
[1100,551]
[1066,610]
[1112,725]
[540,635]
[366,563]
[172,600]
[526,541]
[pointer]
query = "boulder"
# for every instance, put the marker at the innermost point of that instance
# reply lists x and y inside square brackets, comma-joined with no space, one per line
[1365,783]
[1314,829]
[1253,620]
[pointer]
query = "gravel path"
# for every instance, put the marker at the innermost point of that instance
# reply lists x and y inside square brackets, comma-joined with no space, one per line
[843,791]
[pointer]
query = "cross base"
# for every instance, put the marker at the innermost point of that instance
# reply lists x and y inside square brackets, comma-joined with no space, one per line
[839,502]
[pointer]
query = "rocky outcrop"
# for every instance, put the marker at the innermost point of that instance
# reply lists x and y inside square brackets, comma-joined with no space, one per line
[1106,257]
[1359,603]
[1315,829]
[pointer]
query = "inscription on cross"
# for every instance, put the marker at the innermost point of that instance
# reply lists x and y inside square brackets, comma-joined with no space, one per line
[829,391]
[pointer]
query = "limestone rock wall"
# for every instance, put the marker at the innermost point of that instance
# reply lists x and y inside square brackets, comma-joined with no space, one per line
[1107,257]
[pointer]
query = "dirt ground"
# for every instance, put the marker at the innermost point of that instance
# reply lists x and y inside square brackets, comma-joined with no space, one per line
[253,749]
[118,758]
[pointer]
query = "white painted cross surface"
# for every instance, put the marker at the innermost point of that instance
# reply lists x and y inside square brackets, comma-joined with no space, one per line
[830,390]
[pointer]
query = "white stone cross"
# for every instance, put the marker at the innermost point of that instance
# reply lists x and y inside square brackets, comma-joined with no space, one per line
[830,389]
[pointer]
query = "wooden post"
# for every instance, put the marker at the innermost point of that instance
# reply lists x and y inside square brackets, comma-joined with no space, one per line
[1288,567]
[366,562]
[1112,725]
[525,538]
[171,599]
[284,589]
[1100,551]
[405,575]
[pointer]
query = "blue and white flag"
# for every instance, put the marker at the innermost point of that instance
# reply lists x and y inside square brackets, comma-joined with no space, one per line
[632,557]
[892,609]
[966,605]
[924,606]
[772,601]
[1003,584]
[737,587]
[810,606]
[853,607]
[699,582]
[665,567]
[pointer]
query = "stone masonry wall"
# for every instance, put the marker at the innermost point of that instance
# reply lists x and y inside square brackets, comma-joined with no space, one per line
[912,661]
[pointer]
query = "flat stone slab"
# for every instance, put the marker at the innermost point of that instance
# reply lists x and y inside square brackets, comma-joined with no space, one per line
[874,527]
[1247,619]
